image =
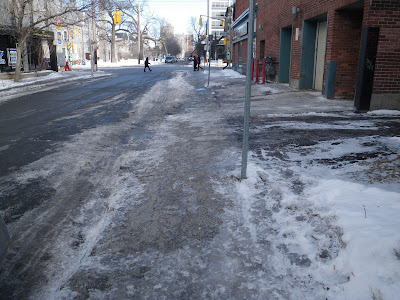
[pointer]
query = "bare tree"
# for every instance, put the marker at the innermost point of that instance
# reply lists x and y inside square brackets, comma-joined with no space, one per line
[130,23]
[198,34]
[131,10]
[106,20]
[28,18]
[172,45]
[197,29]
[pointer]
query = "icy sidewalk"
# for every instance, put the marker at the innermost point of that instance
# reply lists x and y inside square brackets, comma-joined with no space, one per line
[322,190]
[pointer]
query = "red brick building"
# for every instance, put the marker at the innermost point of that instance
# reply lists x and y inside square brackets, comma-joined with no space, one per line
[344,48]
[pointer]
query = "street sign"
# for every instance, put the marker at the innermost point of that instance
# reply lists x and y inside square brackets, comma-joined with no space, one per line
[2,60]
[59,38]
[58,23]
[12,56]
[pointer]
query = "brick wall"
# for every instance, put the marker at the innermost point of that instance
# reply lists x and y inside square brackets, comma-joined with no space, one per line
[276,14]
[240,6]
[386,15]
[343,46]
[345,24]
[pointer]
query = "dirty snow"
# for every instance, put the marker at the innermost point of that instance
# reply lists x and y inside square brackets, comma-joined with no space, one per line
[310,203]
[384,112]
[367,265]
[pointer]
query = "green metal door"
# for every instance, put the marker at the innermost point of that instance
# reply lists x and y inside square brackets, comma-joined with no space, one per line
[285,54]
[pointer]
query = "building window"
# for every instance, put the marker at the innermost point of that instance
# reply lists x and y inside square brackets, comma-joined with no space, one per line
[220,4]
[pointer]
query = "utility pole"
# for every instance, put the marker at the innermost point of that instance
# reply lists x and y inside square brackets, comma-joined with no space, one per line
[245,148]
[208,42]
[138,32]
[94,57]
[91,49]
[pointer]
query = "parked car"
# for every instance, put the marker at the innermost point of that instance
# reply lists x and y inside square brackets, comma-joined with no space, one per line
[4,239]
[170,59]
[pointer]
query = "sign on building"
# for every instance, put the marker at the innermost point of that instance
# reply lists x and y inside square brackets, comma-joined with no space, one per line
[240,31]
[58,38]
[2,60]
[12,56]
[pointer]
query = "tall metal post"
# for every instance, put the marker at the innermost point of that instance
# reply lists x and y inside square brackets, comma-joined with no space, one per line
[138,32]
[250,34]
[94,57]
[208,42]
[91,49]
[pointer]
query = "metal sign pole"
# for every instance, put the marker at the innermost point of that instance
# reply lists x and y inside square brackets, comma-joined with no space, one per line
[91,47]
[208,42]
[248,90]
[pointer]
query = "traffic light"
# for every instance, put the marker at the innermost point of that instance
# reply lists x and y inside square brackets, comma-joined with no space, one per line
[225,41]
[223,23]
[201,22]
[117,17]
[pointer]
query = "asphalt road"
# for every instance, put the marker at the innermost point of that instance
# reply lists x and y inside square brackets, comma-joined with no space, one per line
[30,124]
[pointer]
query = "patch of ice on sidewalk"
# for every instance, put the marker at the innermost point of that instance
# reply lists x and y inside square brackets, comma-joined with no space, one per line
[384,112]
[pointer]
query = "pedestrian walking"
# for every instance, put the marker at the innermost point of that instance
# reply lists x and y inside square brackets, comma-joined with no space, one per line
[227,64]
[194,63]
[146,64]
[199,63]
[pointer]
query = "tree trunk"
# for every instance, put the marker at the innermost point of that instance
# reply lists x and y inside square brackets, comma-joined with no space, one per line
[113,56]
[17,75]
[25,57]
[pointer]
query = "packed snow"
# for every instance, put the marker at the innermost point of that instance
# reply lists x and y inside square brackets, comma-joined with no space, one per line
[362,199]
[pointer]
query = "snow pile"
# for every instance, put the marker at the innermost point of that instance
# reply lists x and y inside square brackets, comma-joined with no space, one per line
[10,89]
[9,83]
[370,220]
[342,233]
[66,76]
[228,73]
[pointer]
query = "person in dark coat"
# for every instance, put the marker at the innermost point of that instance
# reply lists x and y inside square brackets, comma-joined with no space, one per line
[146,64]
[199,63]
[194,63]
